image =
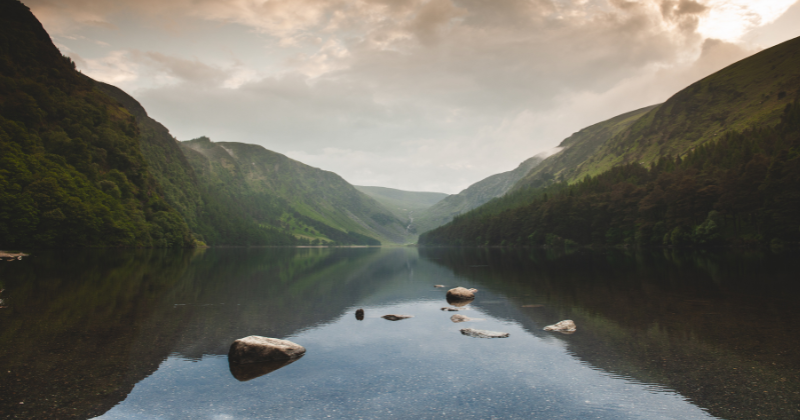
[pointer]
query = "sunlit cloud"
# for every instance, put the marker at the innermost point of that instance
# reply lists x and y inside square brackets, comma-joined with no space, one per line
[729,20]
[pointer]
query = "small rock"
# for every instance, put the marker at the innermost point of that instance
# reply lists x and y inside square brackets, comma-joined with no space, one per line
[360,314]
[461,293]
[451,309]
[483,333]
[396,317]
[439,285]
[460,318]
[565,326]
[256,349]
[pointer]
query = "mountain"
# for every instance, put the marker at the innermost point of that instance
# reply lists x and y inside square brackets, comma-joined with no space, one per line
[575,149]
[403,204]
[721,168]
[753,91]
[71,168]
[82,164]
[212,214]
[473,196]
[296,198]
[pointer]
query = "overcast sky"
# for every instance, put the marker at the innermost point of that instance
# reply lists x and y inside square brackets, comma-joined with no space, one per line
[424,95]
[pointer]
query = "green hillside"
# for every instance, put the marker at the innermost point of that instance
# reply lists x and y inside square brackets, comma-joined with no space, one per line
[753,91]
[298,199]
[214,214]
[566,164]
[473,196]
[71,169]
[714,165]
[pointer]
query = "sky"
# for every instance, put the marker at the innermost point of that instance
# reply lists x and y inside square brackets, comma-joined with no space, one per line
[420,95]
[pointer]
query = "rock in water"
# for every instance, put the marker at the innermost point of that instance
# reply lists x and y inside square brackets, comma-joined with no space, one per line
[460,318]
[438,285]
[565,326]
[396,317]
[461,293]
[450,309]
[360,314]
[483,333]
[255,349]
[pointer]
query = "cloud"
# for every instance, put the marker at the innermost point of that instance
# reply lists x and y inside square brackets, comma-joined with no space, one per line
[416,94]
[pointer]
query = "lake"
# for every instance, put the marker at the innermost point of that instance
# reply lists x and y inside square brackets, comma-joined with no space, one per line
[144,334]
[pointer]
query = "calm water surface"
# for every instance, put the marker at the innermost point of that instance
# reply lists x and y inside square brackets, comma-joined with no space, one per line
[145,334]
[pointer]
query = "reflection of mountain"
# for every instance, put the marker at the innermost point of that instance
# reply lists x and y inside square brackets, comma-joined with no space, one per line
[114,316]
[693,323]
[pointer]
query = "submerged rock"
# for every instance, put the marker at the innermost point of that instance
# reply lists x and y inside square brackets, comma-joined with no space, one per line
[248,371]
[460,318]
[256,349]
[461,293]
[439,285]
[565,326]
[360,314]
[483,333]
[396,317]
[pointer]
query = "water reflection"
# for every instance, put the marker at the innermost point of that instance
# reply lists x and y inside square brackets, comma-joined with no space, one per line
[144,334]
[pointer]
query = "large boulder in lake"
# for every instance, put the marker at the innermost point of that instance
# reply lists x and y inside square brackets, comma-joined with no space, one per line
[566,326]
[256,349]
[483,333]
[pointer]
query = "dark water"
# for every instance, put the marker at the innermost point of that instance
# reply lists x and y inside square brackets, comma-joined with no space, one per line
[145,334]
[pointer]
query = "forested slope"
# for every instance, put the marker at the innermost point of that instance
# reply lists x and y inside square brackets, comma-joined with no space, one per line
[216,212]
[275,190]
[753,91]
[473,196]
[743,189]
[71,169]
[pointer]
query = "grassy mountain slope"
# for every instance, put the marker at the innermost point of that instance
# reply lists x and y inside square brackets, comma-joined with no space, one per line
[402,203]
[299,199]
[753,91]
[71,169]
[475,195]
[566,164]
[723,159]
[213,212]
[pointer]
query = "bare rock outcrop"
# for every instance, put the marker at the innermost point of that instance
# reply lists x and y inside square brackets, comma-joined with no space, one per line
[483,333]
[256,349]
[565,326]
[392,317]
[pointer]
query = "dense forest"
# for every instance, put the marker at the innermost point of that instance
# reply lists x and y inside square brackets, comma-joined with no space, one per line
[71,170]
[743,189]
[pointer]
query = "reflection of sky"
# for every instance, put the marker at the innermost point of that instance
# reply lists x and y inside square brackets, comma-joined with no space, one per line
[416,368]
